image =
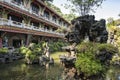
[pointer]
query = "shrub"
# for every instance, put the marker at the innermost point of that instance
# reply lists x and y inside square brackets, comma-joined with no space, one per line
[94,58]
[57,46]
[32,52]
[3,50]
[88,66]
[23,50]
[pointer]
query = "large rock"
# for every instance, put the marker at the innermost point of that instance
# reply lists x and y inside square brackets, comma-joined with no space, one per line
[87,26]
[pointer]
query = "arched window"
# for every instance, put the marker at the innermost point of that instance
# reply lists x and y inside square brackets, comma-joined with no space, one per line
[35,8]
[36,24]
[47,27]
[46,14]
[54,19]
[18,1]
[15,18]
[60,22]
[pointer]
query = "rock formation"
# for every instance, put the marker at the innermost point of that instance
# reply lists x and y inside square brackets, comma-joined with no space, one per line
[87,26]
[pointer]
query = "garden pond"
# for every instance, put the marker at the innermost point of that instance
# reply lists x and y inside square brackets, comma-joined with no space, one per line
[18,70]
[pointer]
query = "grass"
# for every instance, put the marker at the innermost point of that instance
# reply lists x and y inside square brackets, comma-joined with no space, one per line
[55,56]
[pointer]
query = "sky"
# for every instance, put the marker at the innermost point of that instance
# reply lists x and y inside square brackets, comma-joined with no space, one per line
[109,8]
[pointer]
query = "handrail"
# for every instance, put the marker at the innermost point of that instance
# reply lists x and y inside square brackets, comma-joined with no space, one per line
[21,6]
[9,23]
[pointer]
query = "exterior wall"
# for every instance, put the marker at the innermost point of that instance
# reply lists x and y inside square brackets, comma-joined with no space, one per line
[25,12]
[9,37]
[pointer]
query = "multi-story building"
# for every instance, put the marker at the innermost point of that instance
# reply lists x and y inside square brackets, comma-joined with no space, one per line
[25,21]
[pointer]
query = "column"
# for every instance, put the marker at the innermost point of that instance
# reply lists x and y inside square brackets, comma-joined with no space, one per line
[28,40]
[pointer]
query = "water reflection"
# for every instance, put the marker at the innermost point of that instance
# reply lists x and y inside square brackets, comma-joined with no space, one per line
[20,71]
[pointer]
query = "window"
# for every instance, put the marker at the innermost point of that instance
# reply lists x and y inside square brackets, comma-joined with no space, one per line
[54,19]
[60,22]
[64,24]
[46,14]
[18,1]
[15,18]
[46,27]
[35,8]
[16,43]
[35,24]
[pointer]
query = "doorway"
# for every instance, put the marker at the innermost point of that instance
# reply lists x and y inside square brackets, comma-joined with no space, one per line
[16,43]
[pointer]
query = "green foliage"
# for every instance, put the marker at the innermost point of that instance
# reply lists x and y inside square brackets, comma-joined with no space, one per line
[86,47]
[55,8]
[108,47]
[56,46]
[115,60]
[88,66]
[68,17]
[94,58]
[23,50]
[3,50]
[83,7]
[32,52]
[112,22]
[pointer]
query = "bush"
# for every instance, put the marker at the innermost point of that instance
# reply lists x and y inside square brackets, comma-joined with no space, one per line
[23,50]
[88,66]
[115,60]
[94,58]
[32,52]
[3,50]
[57,46]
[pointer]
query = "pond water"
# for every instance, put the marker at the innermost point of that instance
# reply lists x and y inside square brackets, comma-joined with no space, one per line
[18,70]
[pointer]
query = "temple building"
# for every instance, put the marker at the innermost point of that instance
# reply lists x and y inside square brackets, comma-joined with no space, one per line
[26,21]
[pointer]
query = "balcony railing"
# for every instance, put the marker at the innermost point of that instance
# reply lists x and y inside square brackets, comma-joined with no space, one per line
[11,23]
[21,6]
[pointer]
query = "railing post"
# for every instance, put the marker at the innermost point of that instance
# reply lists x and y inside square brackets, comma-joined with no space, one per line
[9,21]
[30,10]
[1,21]
[32,26]
[23,23]
[21,5]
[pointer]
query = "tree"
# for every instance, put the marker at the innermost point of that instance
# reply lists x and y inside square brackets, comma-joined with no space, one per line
[55,8]
[47,0]
[68,17]
[83,7]
[111,22]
